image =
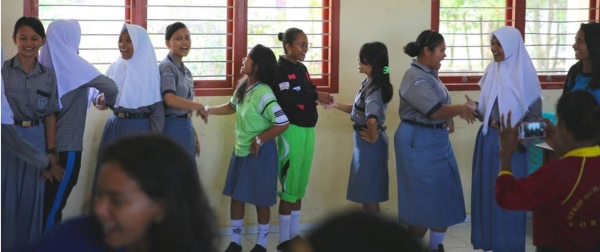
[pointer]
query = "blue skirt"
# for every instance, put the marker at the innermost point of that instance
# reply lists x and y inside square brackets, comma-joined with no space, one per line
[429,189]
[493,228]
[22,193]
[181,131]
[115,129]
[253,180]
[369,180]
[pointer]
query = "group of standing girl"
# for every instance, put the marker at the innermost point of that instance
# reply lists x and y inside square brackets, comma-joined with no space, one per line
[429,187]
[275,99]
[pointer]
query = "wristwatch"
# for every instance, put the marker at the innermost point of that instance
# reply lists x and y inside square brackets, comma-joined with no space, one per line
[52,151]
[258,141]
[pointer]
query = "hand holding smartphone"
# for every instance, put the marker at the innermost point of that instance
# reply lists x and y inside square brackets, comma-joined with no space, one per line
[532,130]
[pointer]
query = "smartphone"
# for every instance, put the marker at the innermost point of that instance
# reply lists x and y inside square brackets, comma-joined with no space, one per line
[532,130]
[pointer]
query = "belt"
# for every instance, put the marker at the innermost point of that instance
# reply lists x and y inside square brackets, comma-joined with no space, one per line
[427,125]
[359,127]
[127,115]
[28,123]
[186,115]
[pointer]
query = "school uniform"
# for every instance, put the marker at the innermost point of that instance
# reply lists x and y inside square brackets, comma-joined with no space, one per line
[368,181]
[13,142]
[297,95]
[177,79]
[509,85]
[32,96]
[138,108]
[253,179]
[581,82]
[493,227]
[76,77]
[429,188]
[564,196]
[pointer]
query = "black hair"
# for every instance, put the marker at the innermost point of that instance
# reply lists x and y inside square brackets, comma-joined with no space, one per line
[359,231]
[375,54]
[32,22]
[264,67]
[288,37]
[427,38]
[172,28]
[592,42]
[166,172]
[580,112]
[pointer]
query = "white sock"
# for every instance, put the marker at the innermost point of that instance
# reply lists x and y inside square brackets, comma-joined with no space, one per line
[435,239]
[294,224]
[236,231]
[284,228]
[263,231]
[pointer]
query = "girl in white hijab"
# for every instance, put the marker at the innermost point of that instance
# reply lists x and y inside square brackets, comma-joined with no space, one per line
[75,77]
[139,107]
[510,83]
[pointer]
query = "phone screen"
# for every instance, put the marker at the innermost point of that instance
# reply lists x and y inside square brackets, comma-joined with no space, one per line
[532,130]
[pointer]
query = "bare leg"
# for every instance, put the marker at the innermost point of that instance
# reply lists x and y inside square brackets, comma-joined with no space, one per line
[285,208]
[237,209]
[372,208]
[417,232]
[297,206]
[263,214]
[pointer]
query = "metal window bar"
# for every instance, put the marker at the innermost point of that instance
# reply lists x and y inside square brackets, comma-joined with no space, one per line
[82,5]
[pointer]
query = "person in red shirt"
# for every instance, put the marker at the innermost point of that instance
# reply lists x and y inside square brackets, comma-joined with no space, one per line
[563,194]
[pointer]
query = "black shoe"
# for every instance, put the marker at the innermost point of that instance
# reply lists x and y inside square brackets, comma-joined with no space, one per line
[284,246]
[234,247]
[441,248]
[298,239]
[258,248]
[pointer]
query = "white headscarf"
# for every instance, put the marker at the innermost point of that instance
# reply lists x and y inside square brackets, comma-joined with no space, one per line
[513,81]
[60,53]
[7,114]
[138,78]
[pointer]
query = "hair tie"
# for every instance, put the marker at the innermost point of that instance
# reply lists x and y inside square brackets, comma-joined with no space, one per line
[386,70]
[417,43]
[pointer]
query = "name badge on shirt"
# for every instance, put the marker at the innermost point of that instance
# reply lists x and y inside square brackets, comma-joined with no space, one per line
[284,86]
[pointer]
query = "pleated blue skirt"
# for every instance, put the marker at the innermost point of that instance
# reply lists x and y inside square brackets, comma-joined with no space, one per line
[115,129]
[429,189]
[369,179]
[493,228]
[181,131]
[22,193]
[253,180]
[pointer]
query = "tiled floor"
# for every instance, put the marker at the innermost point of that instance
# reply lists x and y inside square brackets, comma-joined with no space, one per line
[458,239]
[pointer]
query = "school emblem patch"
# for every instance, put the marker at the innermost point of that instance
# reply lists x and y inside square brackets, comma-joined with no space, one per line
[41,103]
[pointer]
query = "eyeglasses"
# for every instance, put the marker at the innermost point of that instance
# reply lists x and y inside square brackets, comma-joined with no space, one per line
[305,46]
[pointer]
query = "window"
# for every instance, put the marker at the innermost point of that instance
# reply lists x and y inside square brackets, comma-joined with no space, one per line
[548,27]
[222,32]
[100,26]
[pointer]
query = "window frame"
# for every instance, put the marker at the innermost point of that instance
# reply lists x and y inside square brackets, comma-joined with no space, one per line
[515,16]
[136,12]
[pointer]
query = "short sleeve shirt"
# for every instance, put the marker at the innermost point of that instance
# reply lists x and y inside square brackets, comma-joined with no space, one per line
[422,93]
[31,95]
[176,79]
[368,105]
[256,113]
[582,82]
